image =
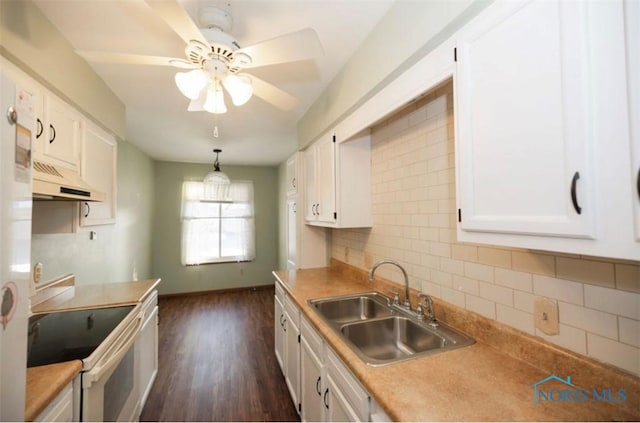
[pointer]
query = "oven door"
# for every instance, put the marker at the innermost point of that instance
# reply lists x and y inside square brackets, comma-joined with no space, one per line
[110,389]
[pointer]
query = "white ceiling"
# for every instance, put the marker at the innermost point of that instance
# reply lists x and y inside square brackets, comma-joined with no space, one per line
[254,134]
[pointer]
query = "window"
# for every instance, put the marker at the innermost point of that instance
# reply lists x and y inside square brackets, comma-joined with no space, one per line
[216,232]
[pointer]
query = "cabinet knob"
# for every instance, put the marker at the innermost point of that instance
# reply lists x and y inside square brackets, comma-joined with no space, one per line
[293,182]
[53,133]
[326,404]
[12,115]
[318,391]
[574,195]
[88,209]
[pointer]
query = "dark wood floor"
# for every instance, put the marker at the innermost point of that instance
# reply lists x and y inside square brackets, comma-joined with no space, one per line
[217,361]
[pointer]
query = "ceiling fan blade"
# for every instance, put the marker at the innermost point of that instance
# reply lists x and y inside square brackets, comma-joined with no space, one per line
[134,59]
[178,19]
[300,45]
[272,94]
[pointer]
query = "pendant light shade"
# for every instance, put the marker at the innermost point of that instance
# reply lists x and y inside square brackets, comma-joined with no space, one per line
[216,184]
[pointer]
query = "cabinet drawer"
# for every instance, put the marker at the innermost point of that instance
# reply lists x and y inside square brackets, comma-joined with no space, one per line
[280,292]
[353,392]
[292,311]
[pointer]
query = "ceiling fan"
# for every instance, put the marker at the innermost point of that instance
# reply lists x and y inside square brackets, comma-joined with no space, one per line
[214,59]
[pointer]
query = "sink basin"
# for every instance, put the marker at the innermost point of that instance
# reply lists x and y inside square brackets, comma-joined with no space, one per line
[391,338]
[352,308]
[380,333]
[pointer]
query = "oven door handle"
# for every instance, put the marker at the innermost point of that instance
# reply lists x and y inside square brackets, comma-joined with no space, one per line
[116,352]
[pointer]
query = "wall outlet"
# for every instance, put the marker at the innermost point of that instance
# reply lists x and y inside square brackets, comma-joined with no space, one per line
[37,272]
[545,315]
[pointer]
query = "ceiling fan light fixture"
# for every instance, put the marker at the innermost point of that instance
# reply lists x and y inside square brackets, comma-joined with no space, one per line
[192,83]
[214,102]
[239,87]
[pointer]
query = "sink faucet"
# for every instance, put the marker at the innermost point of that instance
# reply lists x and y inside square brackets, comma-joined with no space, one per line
[407,302]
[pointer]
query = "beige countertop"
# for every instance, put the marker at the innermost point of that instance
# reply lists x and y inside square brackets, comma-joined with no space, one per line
[98,295]
[45,382]
[482,382]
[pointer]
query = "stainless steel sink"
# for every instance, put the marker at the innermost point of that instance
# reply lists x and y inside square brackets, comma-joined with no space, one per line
[352,308]
[380,333]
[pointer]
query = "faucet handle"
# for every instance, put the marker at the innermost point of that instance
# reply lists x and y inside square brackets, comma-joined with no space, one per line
[428,304]
[396,296]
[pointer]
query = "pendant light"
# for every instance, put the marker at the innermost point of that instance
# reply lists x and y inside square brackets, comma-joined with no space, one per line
[216,184]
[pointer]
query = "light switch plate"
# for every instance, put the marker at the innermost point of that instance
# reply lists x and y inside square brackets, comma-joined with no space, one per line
[545,315]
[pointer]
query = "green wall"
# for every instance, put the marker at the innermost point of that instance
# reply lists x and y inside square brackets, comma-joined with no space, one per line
[282,215]
[167,231]
[118,248]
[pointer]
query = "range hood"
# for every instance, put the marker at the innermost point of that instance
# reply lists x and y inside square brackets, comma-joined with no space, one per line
[52,182]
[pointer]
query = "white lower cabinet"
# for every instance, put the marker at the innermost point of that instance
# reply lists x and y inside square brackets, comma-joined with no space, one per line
[312,374]
[148,348]
[292,347]
[321,386]
[279,323]
[65,407]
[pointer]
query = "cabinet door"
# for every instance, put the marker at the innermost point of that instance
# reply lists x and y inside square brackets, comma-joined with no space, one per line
[311,384]
[62,126]
[326,180]
[524,134]
[98,169]
[632,36]
[292,175]
[337,408]
[292,360]
[279,331]
[148,355]
[310,184]
[291,234]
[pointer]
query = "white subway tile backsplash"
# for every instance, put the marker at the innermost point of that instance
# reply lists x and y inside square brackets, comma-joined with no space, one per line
[467,285]
[523,301]
[515,318]
[495,293]
[609,351]
[453,296]
[481,306]
[622,303]
[629,331]
[414,214]
[571,338]
[559,289]
[593,321]
[480,272]
[521,281]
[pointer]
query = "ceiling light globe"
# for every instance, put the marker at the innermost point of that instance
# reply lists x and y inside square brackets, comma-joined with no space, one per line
[192,83]
[239,87]
[215,100]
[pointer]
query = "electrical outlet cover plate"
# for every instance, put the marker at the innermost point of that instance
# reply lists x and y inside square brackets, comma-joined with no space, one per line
[545,313]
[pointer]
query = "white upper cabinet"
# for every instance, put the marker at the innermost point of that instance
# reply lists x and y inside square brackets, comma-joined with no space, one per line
[523,121]
[98,169]
[60,132]
[292,170]
[542,128]
[320,180]
[632,38]
[338,182]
